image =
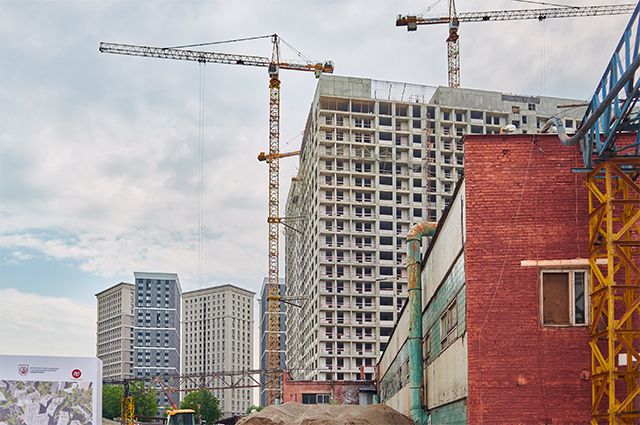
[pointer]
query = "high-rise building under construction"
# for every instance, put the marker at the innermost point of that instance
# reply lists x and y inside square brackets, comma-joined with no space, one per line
[377,157]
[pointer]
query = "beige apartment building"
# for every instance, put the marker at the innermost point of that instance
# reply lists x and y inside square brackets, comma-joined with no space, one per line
[377,157]
[217,329]
[115,331]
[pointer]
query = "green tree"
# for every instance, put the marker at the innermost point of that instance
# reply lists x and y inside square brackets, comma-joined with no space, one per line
[204,403]
[145,399]
[252,408]
[112,401]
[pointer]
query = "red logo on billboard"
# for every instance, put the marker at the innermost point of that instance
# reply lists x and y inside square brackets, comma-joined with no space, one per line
[76,373]
[23,369]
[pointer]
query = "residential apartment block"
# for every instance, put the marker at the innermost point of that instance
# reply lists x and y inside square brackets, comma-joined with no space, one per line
[157,327]
[377,157]
[115,331]
[264,335]
[218,336]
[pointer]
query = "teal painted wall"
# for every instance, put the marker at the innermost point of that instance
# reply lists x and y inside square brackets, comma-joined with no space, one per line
[450,414]
[397,376]
[452,288]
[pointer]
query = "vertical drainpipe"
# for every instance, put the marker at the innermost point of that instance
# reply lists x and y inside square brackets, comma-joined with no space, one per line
[414,274]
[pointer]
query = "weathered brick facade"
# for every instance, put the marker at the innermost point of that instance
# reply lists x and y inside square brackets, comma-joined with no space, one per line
[523,203]
[341,392]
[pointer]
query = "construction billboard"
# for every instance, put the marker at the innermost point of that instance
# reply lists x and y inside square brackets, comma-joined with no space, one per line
[43,390]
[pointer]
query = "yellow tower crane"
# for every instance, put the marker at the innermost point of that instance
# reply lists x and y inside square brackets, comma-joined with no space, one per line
[274,65]
[454,19]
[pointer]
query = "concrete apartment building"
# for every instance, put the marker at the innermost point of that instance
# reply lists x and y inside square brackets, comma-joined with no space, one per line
[505,306]
[115,331]
[157,327]
[218,336]
[377,157]
[264,335]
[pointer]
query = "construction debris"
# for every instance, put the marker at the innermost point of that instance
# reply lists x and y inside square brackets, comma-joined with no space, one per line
[326,414]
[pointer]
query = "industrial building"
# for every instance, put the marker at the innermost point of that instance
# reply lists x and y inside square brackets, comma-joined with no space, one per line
[218,336]
[156,345]
[327,392]
[504,300]
[114,344]
[377,157]
[264,336]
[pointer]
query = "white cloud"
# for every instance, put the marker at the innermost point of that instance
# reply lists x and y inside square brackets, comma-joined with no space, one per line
[99,156]
[38,325]
[16,257]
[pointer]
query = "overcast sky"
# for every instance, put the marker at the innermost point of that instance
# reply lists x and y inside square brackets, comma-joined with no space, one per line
[99,158]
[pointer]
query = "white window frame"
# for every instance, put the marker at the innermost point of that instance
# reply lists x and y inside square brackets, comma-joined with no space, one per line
[447,336]
[572,288]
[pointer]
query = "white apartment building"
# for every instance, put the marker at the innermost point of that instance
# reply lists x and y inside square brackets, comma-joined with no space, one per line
[377,157]
[115,331]
[217,331]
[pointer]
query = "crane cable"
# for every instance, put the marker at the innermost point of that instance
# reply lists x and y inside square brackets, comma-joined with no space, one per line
[235,40]
[546,4]
[201,182]
[211,43]
[543,48]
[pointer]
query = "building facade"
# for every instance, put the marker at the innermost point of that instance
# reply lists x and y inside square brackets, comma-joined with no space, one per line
[377,157]
[218,336]
[115,331]
[505,313]
[264,335]
[327,392]
[157,327]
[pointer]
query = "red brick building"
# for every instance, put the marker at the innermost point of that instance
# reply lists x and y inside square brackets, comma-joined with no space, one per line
[325,392]
[504,292]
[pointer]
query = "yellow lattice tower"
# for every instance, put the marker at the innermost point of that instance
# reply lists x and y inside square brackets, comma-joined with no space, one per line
[614,247]
[128,408]
[273,379]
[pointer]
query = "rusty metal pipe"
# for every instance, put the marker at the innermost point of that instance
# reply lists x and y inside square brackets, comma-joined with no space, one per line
[414,272]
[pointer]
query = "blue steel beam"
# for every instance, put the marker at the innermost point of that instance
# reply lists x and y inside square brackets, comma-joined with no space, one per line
[612,107]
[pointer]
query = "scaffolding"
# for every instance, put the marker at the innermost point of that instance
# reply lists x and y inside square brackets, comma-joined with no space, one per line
[614,256]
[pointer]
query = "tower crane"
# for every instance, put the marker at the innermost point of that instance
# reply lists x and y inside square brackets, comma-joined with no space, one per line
[609,140]
[454,19]
[274,65]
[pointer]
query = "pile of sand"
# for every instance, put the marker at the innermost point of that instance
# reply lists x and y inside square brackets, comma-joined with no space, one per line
[324,414]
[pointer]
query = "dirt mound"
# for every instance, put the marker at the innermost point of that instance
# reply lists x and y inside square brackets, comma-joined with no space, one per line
[324,414]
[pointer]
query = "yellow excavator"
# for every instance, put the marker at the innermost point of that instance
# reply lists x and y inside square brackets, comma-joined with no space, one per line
[175,416]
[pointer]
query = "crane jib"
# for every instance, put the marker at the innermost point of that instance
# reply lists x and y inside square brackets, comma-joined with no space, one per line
[203,57]
[519,14]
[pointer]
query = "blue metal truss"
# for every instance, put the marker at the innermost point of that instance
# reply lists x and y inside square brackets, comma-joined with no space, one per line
[612,109]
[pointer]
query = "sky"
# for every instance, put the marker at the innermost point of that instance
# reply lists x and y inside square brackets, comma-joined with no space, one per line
[100,158]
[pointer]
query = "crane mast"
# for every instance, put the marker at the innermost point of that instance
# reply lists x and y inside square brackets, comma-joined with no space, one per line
[273,379]
[274,65]
[453,48]
[454,19]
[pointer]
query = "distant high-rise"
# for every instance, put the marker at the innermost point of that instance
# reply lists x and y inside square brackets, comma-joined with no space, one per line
[264,335]
[157,327]
[218,336]
[377,157]
[115,331]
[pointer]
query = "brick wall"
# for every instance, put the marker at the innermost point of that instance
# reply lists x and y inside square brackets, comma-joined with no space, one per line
[523,202]
[342,392]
